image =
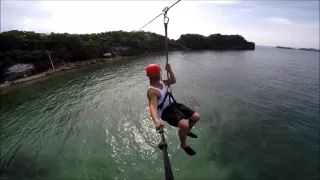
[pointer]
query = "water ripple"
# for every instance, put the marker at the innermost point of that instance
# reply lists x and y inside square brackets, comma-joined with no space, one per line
[94,123]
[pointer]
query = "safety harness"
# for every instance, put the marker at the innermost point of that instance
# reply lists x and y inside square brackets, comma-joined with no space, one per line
[164,100]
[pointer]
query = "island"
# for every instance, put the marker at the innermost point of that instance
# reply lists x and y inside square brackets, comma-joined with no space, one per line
[26,55]
[309,49]
[281,47]
[302,49]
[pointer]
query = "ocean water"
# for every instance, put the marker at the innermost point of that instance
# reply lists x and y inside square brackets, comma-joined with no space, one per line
[259,119]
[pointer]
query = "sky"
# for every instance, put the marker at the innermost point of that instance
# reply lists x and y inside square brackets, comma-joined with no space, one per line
[265,22]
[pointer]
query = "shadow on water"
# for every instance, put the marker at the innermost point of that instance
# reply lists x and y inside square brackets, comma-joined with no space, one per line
[22,167]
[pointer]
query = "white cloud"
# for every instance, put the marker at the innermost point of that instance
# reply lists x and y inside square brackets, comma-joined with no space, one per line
[221,2]
[292,23]
[201,17]
[246,10]
[280,20]
[286,32]
[100,16]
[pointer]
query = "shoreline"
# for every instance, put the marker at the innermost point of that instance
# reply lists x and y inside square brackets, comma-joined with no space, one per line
[61,69]
[65,68]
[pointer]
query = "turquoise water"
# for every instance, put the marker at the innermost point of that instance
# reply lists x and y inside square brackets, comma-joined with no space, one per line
[259,119]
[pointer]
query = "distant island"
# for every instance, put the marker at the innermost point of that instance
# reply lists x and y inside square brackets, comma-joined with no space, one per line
[302,49]
[309,49]
[27,53]
[281,47]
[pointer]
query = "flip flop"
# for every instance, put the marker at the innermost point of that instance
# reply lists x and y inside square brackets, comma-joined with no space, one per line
[189,150]
[191,134]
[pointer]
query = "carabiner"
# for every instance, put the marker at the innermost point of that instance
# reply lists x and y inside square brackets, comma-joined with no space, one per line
[165,10]
[164,20]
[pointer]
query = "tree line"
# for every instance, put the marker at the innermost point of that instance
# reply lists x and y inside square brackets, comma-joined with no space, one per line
[30,47]
[216,42]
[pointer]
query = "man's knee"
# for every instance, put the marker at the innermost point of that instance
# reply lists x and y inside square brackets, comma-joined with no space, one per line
[195,117]
[183,124]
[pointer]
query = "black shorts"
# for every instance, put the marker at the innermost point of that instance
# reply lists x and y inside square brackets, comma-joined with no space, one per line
[175,112]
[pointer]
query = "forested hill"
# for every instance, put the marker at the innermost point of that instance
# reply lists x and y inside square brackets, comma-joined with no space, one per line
[30,47]
[216,42]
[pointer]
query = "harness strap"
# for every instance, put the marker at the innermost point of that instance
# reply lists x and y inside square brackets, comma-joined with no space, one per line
[164,99]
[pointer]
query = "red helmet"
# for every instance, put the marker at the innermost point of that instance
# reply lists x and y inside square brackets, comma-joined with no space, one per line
[153,70]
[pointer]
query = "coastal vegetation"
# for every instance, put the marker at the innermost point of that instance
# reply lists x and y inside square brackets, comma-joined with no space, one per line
[32,49]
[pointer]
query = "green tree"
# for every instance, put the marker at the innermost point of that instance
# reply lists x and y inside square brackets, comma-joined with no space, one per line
[30,47]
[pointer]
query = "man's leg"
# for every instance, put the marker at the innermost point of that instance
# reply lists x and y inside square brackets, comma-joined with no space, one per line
[183,130]
[193,120]
[193,117]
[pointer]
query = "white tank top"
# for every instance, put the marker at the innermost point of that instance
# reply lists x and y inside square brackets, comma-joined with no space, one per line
[163,92]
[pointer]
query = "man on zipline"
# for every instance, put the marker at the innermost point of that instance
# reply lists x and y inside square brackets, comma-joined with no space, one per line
[175,114]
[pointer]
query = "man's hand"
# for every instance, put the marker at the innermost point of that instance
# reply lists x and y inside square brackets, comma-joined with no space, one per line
[171,79]
[168,68]
[159,124]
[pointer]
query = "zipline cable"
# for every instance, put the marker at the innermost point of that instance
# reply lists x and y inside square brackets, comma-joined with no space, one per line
[150,21]
[174,4]
[159,15]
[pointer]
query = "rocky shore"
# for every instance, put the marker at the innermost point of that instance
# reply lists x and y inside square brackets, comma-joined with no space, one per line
[61,68]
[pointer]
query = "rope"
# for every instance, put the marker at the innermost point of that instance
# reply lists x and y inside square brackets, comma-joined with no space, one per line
[159,15]
[165,22]
[163,145]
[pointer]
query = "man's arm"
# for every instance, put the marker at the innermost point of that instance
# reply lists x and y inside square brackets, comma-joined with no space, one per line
[153,106]
[172,78]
